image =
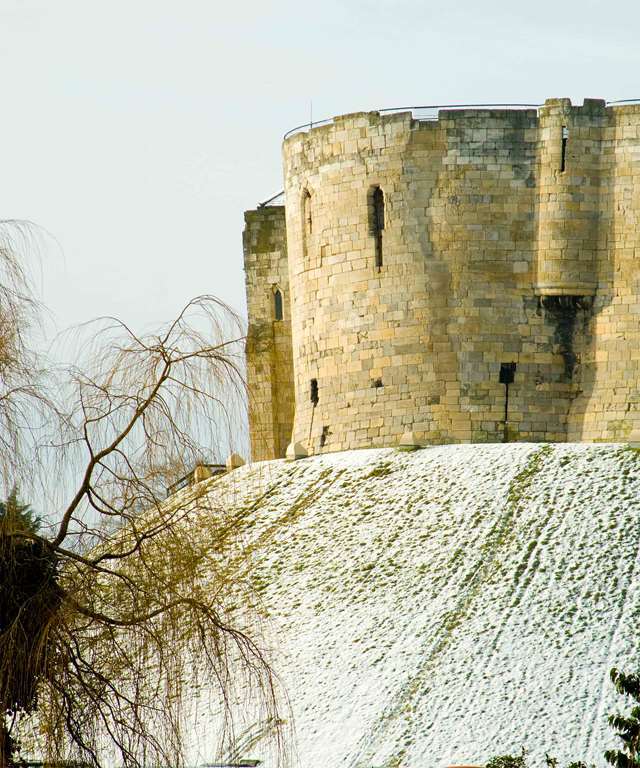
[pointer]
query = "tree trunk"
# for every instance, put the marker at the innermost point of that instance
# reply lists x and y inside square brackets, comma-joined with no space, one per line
[7,745]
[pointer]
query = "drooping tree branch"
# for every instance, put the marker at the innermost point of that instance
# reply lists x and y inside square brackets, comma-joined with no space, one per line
[126,607]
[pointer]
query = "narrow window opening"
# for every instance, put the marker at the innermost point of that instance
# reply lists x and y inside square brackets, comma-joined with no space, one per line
[314,392]
[378,383]
[323,437]
[277,301]
[377,222]
[563,156]
[307,221]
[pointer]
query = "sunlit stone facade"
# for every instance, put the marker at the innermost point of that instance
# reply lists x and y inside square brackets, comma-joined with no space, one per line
[414,258]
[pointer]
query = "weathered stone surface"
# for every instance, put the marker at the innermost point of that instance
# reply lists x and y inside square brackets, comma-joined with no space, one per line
[409,441]
[494,250]
[200,473]
[234,460]
[296,451]
[269,352]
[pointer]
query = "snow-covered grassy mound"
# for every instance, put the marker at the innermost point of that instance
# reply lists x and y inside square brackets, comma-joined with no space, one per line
[450,604]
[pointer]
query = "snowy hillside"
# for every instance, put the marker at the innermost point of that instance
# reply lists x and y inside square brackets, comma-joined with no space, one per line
[450,604]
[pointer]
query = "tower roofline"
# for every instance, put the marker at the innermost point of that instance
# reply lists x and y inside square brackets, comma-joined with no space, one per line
[431,112]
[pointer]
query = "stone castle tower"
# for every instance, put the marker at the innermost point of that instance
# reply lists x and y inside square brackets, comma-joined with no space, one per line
[414,262]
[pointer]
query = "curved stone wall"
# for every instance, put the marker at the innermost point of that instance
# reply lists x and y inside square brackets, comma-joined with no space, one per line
[363,332]
[424,256]
[417,344]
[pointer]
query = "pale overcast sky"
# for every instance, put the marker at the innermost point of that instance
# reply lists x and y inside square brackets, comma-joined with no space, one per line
[136,133]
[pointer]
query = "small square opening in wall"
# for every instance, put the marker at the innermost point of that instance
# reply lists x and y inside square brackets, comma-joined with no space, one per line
[507,373]
[314,397]
[377,383]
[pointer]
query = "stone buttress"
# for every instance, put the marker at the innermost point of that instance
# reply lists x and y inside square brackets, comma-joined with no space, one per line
[268,348]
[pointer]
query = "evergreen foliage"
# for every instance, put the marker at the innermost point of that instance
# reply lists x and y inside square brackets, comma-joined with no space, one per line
[16,516]
[520,761]
[508,761]
[29,600]
[627,726]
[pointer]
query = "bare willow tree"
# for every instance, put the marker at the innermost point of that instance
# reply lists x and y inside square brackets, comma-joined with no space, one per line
[25,404]
[114,610]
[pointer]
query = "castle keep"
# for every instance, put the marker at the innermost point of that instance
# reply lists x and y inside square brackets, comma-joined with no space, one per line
[414,261]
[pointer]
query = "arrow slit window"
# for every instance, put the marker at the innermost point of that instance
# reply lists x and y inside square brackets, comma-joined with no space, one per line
[376,222]
[563,151]
[307,221]
[278,305]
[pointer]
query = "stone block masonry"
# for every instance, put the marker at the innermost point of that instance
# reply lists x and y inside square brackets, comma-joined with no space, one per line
[269,351]
[415,258]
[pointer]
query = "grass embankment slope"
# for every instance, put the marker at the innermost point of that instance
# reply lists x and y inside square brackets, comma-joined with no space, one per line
[449,604]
